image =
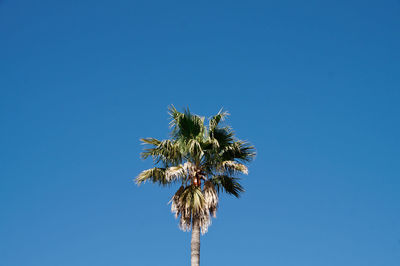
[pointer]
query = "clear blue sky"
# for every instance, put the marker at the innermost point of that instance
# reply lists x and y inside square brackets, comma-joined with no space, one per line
[314,85]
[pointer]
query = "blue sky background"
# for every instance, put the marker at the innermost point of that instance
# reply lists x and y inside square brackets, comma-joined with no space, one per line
[314,85]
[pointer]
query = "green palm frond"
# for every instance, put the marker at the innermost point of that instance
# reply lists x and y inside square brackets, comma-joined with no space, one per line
[155,175]
[195,150]
[212,144]
[224,136]
[186,125]
[167,151]
[227,184]
[238,150]
[216,119]
[175,116]
[151,141]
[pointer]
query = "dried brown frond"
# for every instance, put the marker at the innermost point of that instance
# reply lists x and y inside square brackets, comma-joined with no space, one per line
[232,167]
[210,197]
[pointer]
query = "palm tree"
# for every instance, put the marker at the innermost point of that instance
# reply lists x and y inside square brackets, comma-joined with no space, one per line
[204,160]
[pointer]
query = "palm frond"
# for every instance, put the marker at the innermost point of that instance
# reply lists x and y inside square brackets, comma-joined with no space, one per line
[175,172]
[212,144]
[175,116]
[175,202]
[232,168]
[228,184]
[210,197]
[154,175]
[195,150]
[188,202]
[216,119]
[224,136]
[238,150]
[166,151]
[193,200]
[151,141]
[186,125]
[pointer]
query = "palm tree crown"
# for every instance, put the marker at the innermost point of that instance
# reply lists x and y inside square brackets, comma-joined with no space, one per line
[204,159]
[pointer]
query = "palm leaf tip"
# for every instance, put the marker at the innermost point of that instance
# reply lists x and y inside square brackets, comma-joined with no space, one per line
[216,119]
[174,114]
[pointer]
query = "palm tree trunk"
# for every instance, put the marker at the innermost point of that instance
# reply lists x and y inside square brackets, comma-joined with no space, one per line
[195,243]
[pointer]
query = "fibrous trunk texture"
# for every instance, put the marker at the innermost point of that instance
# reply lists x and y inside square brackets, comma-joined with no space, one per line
[195,243]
